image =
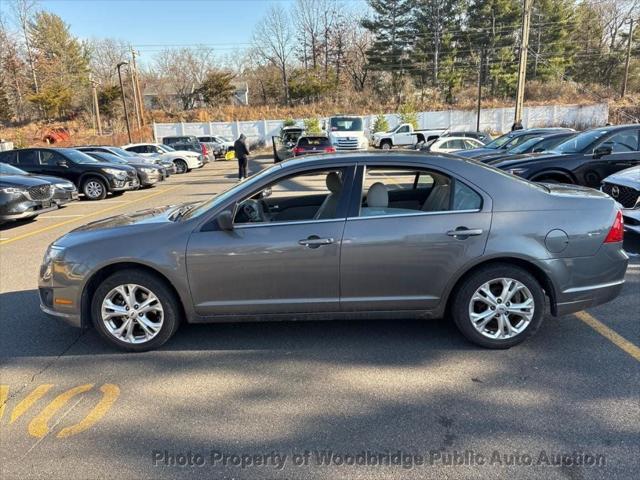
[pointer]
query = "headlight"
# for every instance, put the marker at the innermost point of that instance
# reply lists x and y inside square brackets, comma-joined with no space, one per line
[12,190]
[148,170]
[115,173]
[516,171]
[65,185]
[54,252]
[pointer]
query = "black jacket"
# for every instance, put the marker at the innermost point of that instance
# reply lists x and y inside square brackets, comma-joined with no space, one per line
[240,147]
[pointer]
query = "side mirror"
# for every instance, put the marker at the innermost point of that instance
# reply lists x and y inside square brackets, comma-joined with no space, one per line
[601,151]
[225,221]
[62,163]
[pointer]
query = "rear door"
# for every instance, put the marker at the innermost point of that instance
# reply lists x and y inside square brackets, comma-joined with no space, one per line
[29,161]
[402,258]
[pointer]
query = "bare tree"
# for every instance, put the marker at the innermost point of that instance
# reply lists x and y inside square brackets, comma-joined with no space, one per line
[308,24]
[182,71]
[106,53]
[23,11]
[358,42]
[272,41]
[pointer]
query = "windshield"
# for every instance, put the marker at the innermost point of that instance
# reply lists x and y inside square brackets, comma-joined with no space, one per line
[166,148]
[9,170]
[223,139]
[77,156]
[346,124]
[580,142]
[526,145]
[222,197]
[498,142]
[121,152]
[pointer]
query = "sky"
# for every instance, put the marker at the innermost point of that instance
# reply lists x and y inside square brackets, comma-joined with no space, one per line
[151,25]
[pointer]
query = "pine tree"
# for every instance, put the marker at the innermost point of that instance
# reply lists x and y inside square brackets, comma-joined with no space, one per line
[392,27]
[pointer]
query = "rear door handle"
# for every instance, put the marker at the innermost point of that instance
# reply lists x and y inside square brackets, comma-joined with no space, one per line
[314,241]
[465,232]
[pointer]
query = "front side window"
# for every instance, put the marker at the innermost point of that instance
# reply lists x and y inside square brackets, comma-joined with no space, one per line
[404,129]
[398,191]
[625,141]
[301,197]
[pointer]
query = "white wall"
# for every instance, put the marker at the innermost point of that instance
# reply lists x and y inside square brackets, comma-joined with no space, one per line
[491,119]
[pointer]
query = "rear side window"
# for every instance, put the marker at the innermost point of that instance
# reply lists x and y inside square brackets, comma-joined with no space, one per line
[464,198]
[28,157]
[138,149]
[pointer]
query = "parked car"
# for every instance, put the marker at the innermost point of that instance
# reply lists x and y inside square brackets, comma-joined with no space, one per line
[511,140]
[219,145]
[92,178]
[624,188]
[189,143]
[537,144]
[148,174]
[313,144]
[399,235]
[155,159]
[404,135]
[64,190]
[584,159]
[23,196]
[482,136]
[284,144]
[182,160]
[451,144]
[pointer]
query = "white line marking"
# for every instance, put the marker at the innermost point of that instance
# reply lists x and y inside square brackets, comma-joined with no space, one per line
[62,216]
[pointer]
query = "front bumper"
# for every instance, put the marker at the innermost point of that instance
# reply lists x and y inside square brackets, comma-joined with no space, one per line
[147,179]
[62,197]
[47,299]
[19,207]
[124,185]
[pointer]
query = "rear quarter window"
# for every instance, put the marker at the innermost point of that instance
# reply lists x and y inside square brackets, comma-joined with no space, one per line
[464,198]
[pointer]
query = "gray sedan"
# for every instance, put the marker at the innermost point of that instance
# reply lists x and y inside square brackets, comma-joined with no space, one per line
[352,236]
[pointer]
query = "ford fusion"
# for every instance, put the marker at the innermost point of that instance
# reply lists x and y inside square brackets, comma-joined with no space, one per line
[404,235]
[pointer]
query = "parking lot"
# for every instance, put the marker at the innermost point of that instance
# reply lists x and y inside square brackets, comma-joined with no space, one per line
[362,399]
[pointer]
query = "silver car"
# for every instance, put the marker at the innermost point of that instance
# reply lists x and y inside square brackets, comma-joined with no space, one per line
[352,236]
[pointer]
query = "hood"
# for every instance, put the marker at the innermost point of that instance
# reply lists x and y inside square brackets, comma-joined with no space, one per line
[24,181]
[520,160]
[117,166]
[56,180]
[629,177]
[150,215]
[476,152]
[356,134]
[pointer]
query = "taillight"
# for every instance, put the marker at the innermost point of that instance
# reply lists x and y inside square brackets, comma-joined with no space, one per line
[205,152]
[298,151]
[616,234]
[330,149]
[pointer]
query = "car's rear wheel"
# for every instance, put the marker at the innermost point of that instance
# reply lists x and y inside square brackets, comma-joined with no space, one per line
[181,166]
[135,311]
[499,306]
[386,145]
[94,188]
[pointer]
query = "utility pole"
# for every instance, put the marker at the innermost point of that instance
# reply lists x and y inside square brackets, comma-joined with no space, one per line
[535,64]
[479,88]
[522,69]
[136,108]
[626,65]
[96,107]
[136,86]
[124,100]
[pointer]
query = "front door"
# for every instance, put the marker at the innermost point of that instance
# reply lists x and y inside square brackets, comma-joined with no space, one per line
[283,254]
[399,255]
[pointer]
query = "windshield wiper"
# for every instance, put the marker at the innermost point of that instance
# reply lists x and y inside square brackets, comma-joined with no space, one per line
[183,210]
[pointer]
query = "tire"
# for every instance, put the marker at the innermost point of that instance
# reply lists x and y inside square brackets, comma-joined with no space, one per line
[523,324]
[386,145]
[162,317]
[181,166]
[94,188]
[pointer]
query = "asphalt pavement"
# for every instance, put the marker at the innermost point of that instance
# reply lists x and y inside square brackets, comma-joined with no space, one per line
[310,400]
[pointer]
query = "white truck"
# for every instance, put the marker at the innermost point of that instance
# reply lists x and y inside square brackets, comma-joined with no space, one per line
[404,136]
[347,133]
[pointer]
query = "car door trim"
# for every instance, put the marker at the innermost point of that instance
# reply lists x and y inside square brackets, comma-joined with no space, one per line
[294,222]
[417,214]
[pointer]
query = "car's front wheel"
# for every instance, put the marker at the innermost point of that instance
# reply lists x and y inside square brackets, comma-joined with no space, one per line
[135,311]
[498,306]
[181,166]
[94,189]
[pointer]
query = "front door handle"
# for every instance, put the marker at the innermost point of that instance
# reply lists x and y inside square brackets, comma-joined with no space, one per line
[464,232]
[314,241]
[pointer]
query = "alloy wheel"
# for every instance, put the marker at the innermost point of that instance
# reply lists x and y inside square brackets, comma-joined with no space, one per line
[132,313]
[94,189]
[501,308]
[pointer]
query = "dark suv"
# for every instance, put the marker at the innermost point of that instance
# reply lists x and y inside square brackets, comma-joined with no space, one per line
[93,178]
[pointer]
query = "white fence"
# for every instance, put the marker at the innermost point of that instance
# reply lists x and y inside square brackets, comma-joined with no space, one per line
[491,119]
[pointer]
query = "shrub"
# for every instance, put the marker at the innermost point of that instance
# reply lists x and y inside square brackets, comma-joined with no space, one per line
[312,125]
[380,124]
[407,114]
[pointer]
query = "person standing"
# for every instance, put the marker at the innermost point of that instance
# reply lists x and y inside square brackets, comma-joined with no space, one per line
[242,152]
